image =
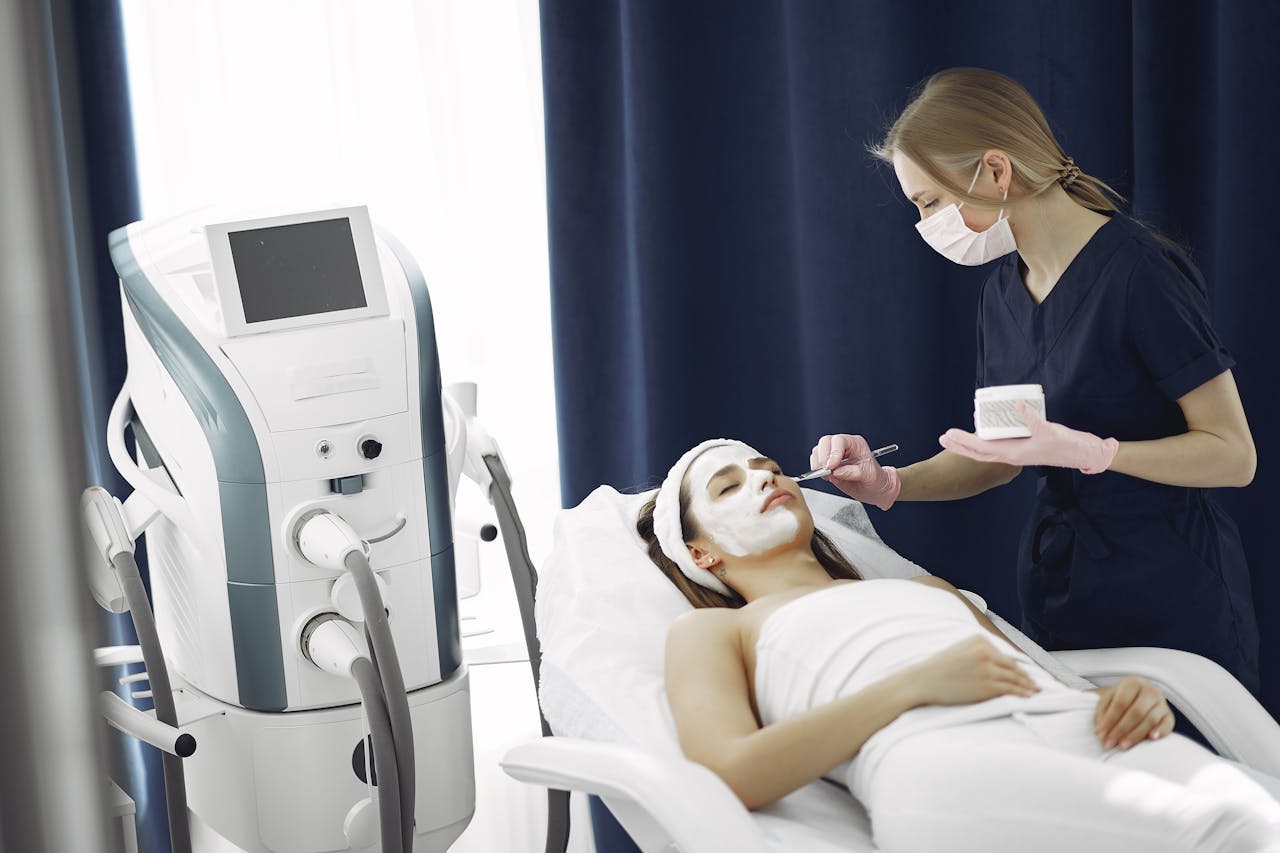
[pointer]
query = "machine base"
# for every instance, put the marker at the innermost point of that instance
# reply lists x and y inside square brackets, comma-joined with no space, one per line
[285,782]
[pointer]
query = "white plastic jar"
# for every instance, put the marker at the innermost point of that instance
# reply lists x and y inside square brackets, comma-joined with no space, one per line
[995,414]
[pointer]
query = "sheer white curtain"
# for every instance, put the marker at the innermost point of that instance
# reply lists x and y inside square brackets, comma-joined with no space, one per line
[430,113]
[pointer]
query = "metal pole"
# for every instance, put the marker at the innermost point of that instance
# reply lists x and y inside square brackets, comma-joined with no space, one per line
[52,782]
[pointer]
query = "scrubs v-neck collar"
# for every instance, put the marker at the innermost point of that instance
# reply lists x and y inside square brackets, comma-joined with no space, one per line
[1044,323]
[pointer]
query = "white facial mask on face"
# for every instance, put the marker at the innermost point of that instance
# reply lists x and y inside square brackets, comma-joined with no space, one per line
[733,519]
[946,232]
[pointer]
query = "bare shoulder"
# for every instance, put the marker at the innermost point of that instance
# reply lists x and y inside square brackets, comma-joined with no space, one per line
[704,640]
[698,627]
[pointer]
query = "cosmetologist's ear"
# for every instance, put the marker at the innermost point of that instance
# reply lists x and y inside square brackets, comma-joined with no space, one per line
[999,167]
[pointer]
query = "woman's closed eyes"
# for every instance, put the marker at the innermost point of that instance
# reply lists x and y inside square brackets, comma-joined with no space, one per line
[729,487]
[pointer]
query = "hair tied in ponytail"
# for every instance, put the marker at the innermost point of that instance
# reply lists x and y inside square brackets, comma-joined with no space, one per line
[1068,173]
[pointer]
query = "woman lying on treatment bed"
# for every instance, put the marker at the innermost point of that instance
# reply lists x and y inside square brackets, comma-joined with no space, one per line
[792,668]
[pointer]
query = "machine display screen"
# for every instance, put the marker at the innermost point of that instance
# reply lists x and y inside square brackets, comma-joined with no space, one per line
[296,270]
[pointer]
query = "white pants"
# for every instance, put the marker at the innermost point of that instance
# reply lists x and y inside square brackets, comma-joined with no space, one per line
[1044,783]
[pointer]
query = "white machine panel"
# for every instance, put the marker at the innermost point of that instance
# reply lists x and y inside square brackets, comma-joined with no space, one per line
[324,374]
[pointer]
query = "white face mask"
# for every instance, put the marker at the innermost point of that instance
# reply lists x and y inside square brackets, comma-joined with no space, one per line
[730,514]
[946,232]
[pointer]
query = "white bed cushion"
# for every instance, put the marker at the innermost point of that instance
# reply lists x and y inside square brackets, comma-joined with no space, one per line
[602,609]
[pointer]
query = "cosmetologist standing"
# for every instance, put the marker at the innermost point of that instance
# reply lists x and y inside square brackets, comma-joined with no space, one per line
[1125,545]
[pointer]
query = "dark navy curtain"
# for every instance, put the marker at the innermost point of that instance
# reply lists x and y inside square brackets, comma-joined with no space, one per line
[101,190]
[727,260]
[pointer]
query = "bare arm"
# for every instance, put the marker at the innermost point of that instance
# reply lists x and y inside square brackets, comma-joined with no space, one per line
[1216,450]
[949,476]
[711,701]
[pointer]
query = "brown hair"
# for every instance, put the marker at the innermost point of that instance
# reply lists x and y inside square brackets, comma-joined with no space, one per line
[700,596]
[958,114]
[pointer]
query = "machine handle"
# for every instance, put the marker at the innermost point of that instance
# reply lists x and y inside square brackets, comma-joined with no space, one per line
[104,521]
[165,496]
[117,655]
[146,728]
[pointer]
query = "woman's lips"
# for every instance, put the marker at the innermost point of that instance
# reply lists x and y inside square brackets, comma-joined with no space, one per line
[775,499]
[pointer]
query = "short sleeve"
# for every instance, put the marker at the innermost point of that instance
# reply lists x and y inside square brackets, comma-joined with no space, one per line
[1168,322]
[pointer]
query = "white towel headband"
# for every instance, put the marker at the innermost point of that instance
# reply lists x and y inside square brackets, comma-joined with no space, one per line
[666,517]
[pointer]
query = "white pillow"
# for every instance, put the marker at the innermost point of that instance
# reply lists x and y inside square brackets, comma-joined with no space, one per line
[603,610]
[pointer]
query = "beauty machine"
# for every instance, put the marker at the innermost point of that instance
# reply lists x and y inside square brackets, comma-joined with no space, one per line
[293,471]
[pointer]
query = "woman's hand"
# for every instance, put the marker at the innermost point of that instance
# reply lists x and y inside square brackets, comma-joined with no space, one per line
[1130,712]
[972,670]
[865,479]
[1050,444]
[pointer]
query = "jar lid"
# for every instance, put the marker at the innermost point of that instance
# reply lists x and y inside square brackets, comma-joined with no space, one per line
[1009,392]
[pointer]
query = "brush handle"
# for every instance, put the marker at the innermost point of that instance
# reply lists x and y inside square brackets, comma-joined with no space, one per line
[825,472]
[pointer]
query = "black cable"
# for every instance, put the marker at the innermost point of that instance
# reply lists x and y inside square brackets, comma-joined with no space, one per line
[384,756]
[525,578]
[382,651]
[144,624]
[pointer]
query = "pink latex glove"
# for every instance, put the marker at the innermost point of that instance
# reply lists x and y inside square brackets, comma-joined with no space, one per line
[1050,444]
[861,477]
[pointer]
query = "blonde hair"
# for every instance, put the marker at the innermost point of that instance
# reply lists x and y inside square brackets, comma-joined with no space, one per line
[824,550]
[959,114]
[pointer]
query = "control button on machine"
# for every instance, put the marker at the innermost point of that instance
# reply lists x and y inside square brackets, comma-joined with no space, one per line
[370,448]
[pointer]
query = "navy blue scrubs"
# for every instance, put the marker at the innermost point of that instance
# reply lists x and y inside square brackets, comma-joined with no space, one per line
[1107,559]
